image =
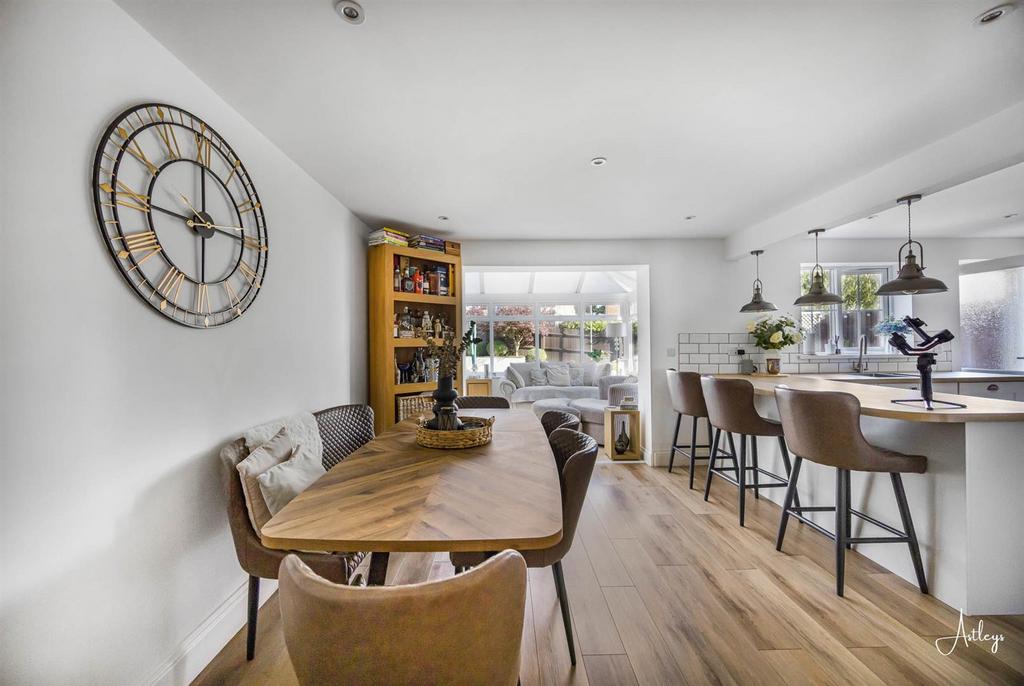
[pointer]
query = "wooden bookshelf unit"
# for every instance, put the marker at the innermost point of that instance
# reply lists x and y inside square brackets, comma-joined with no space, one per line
[384,303]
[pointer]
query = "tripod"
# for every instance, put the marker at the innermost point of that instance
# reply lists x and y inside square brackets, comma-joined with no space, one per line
[925,361]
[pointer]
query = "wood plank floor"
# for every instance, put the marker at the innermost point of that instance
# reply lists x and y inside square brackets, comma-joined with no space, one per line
[668,589]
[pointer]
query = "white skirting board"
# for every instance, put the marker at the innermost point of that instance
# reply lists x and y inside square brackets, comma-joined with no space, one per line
[202,645]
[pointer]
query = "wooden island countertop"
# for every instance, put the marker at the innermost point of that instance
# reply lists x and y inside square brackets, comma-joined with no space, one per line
[876,401]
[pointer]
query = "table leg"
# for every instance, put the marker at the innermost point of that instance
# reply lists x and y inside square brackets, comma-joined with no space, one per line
[378,569]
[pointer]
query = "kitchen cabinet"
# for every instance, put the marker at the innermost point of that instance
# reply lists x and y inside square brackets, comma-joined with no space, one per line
[1004,390]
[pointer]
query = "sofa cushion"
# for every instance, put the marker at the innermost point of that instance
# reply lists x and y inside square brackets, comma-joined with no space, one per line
[272,453]
[281,483]
[538,377]
[575,376]
[519,373]
[591,410]
[558,376]
[533,393]
[592,371]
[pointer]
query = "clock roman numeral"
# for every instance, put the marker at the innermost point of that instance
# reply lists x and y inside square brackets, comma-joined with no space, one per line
[253,243]
[136,242]
[166,134]
[135,150]
[203,146]
[171,282]
[249,274]
[233,297]
[247,206]
[126,197]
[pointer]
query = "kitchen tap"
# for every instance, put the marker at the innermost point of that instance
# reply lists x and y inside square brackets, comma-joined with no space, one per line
[862,348]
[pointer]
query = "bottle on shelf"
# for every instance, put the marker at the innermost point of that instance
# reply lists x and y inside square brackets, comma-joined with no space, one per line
[398,279]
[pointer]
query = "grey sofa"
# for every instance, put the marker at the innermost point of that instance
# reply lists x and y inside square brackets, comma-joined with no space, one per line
[519,388]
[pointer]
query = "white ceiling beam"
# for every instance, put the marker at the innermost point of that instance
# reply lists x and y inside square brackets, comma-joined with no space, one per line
[987,146]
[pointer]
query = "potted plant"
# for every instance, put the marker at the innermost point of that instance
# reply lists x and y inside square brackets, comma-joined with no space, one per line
[448,353]
[773,334]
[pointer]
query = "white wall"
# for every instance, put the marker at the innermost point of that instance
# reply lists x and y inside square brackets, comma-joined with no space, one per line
[116,551]
[694,288]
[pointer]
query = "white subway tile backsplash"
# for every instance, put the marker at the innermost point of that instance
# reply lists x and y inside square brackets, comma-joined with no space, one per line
[718,358]
[699,357]
[689,368]
[689,348]
[739,337]
[684,338]
[808,369]
[709,369]
[709,347]
[718,338]
[699,338]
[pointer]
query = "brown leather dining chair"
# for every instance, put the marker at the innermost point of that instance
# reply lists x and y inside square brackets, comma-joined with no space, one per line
[343,430]
[556,419]
[575,454]
[465,629]
[824,427]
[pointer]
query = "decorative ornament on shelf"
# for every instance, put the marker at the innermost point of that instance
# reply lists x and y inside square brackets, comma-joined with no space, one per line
[775,333]
[911,279]
[448,353]
[817,292]
[757,302]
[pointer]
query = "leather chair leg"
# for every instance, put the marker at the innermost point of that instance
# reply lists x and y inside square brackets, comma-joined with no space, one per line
[711,463]
[842,505]
[754,464]
[675,441]
[908,527]
[788,502]
[693,449]
[254,609]
[563,600]
[741,477]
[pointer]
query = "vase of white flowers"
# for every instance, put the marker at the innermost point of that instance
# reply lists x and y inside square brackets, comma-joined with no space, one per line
[772,334]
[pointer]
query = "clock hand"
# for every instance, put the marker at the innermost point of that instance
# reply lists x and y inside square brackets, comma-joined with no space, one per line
[216,228]
[170,212]
[198,213]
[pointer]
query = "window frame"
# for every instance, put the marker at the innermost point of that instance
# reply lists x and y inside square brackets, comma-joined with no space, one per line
[834,273]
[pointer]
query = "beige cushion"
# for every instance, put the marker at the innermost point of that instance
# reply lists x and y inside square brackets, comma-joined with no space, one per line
[558,376]
[272,453]
[283,482]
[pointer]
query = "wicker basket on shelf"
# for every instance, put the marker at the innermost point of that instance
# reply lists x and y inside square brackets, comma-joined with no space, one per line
[476,431]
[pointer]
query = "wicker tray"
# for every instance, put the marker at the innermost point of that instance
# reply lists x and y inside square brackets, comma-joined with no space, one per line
[477,431]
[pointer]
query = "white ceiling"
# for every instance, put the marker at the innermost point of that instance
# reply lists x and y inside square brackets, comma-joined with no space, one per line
[488,112]
[976,208]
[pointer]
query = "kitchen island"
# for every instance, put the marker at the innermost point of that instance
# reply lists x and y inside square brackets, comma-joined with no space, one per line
[968,508]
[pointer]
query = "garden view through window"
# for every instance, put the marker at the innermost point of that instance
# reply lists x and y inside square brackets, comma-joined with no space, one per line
[553,315]
[829,327]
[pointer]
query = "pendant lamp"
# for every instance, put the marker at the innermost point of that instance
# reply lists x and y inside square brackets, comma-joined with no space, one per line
[911,279]
[818,293]
[757,302]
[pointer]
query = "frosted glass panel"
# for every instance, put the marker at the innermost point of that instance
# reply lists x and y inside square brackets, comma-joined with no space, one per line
[992,319]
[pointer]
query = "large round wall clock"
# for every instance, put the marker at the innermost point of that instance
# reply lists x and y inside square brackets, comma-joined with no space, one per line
[180,215]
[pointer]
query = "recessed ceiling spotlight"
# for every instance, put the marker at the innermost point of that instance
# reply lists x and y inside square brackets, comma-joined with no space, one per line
[350,11]
[689,217]
[1011,215]
[442,217]
[872,216]
[599,161]
[996,13]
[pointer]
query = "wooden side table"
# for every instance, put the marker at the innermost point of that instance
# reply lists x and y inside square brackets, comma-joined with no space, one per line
[478,387]
[622,434]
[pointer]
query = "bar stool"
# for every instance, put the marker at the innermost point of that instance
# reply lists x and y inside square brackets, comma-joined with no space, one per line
[824,427]
[731,409]
[688,400]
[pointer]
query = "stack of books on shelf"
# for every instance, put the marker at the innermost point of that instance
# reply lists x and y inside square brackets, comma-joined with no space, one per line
[427,243]
[388,236]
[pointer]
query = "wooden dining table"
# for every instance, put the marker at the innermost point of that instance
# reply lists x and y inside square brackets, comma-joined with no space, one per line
[392,495]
